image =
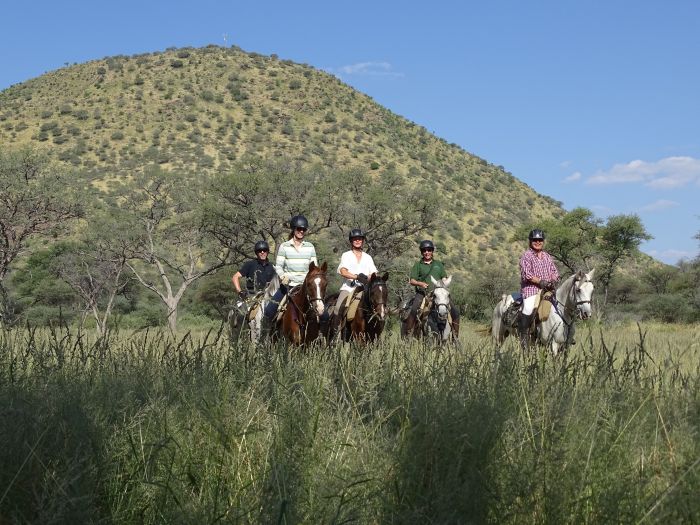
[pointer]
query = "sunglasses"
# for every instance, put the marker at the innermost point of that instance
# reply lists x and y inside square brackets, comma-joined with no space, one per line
[300,229]
[427,250]
[537,240]
[261,251]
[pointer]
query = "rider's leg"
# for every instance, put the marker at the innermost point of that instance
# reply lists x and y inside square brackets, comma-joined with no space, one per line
[525,321]
[273,304]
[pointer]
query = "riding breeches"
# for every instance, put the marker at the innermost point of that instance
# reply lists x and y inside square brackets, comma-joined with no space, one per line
[342,298]
[529,304]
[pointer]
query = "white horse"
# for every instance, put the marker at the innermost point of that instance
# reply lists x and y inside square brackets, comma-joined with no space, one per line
[573,301]
[573,298]
[500,329]
[437,320]
[240,315]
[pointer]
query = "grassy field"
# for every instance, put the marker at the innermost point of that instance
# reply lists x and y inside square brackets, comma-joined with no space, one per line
[141,428]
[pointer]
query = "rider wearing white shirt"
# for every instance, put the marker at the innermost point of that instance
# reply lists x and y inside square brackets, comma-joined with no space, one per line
[355,266]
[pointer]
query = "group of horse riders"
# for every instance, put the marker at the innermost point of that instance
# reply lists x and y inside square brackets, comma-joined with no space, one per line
[294,256]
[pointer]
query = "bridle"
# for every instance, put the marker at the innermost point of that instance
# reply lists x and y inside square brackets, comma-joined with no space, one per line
[370,306]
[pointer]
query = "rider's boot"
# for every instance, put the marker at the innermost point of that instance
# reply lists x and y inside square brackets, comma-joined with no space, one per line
[524,322]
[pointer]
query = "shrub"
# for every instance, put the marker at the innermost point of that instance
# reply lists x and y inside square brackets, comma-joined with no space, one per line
[176,64]
[117,135]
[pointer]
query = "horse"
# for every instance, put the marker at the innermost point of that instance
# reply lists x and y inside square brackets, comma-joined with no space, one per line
[572,299]
[300,322]
[371,314]
[436,321]
[249,313]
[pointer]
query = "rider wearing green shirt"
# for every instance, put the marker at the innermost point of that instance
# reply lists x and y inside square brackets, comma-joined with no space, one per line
[420,275]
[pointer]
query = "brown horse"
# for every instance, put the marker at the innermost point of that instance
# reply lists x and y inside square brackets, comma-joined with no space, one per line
[300,323]
[369,320]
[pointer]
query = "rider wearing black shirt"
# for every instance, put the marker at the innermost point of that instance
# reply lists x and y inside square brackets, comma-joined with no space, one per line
[257,272]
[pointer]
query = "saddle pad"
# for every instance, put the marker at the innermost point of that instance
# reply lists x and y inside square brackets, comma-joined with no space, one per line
[281,308]
[352,307]
[253,311]
[545,306]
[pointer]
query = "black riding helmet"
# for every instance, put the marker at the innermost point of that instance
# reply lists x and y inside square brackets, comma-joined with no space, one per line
[536,235]
[261,245]
[298,221]
[426,245]
[356,233]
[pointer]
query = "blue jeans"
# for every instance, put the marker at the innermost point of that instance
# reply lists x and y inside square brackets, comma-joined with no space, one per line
[273,305]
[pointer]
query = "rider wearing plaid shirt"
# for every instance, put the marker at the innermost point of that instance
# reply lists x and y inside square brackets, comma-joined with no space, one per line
[537,272]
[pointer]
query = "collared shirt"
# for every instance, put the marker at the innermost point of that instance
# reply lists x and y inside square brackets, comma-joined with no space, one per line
[350,263]
[533,266]
[294,262]
[422,272]
[257,274]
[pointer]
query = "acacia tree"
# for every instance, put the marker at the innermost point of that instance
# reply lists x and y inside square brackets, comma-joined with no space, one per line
[36,199]
[255,201]
[171,248]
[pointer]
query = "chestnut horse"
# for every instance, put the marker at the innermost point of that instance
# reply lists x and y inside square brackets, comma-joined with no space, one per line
[372,312]
[300,323]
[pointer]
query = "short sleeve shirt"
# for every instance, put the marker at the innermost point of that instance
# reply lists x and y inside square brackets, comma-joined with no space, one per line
[257,274]
[422,271]
[350,263]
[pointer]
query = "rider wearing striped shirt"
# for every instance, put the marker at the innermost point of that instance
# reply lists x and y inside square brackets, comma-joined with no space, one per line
[537,272]
[292,263]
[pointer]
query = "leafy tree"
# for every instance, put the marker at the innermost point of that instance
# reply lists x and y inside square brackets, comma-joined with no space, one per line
[619,239]
[35,201]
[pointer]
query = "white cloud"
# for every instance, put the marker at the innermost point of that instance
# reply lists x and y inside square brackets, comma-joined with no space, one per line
[668,173]
[377,69]
[573,177]
[660,205]
[565,164]
[670,256]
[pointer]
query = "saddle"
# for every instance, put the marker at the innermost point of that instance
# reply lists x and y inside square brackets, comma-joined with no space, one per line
[254,304]
[284,302]
[544,308]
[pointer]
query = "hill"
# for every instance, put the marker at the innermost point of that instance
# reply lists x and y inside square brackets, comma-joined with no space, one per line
[201,110]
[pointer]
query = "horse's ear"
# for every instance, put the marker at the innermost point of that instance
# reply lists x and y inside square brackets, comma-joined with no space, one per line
[324,266]
[446,281]
[589,275]
[312,265]
[435,283]
[385,277]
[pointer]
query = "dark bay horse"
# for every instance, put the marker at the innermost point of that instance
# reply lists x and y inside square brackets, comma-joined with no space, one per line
[369,320]
[300,322]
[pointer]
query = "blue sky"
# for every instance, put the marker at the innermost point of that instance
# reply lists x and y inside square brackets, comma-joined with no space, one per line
[594,103]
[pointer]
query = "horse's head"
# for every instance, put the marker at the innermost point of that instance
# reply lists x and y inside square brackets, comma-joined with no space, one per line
[377,295]
[441,297]
[315,284]
[583,292]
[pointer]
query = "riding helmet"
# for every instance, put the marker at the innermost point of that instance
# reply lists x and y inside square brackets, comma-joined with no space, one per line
[536,235]
[261,245]
[426,245]
[298,221]
[355,233]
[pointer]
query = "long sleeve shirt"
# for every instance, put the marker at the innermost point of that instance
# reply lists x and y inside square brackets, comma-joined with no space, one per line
[533,266]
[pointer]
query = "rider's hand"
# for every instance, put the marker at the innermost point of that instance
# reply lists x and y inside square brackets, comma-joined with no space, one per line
[242,294]
[362,278]
[547,285]
[284,280]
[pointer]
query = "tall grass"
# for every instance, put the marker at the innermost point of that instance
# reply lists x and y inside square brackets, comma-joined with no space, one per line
[142,428]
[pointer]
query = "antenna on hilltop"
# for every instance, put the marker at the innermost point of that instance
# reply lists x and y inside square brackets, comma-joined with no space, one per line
[225,38]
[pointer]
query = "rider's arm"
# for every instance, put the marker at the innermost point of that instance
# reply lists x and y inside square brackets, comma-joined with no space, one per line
[413,278]
[280,261]
[236,281]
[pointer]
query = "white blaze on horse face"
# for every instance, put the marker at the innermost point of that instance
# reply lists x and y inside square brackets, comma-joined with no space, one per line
[319,301]
[382,307]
